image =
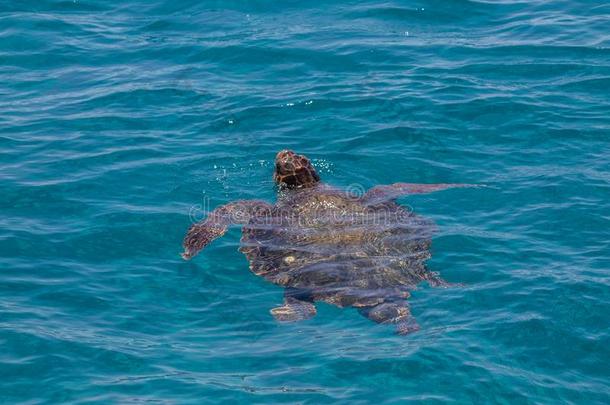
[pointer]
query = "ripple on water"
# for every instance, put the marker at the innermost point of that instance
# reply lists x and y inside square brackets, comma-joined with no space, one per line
[117,120]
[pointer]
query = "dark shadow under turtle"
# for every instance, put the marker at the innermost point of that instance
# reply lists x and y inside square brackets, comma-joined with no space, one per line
[325,244]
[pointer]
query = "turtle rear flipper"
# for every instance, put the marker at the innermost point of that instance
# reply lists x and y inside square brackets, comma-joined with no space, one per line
[397,313]
[294,310]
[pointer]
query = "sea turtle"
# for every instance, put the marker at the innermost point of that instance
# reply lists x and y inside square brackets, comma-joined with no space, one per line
[325,244]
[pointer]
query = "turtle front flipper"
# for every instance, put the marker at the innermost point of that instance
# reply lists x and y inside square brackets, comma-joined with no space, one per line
[215,225]
[296,308]
[397,313]
[390,192]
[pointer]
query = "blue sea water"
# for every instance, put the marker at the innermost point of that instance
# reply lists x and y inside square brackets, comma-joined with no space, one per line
[117,118]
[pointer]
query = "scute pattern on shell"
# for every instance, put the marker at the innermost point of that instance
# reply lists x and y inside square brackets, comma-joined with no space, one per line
[339,250]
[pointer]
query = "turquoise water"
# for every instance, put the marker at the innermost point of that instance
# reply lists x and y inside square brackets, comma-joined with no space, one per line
[115,120]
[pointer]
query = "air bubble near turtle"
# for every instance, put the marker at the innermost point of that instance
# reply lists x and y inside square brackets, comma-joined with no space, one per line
[325,244]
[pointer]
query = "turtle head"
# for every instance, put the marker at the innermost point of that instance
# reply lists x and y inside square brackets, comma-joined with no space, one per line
[294,171]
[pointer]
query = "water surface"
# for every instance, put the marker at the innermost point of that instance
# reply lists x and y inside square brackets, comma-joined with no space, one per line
[115,120]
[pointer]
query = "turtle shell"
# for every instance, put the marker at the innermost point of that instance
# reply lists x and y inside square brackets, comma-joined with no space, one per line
[333,247]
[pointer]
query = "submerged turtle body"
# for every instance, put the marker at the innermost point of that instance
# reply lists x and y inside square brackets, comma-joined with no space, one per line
[331,246]
[324,244]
